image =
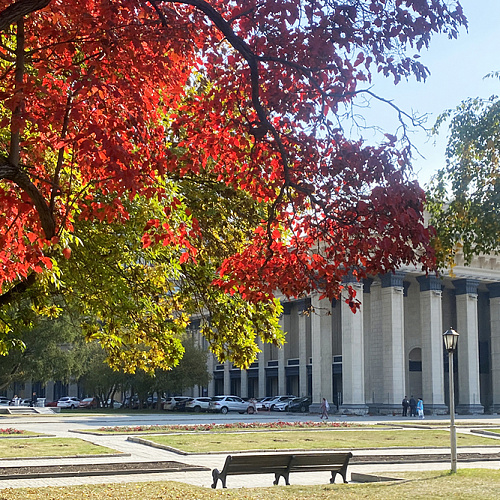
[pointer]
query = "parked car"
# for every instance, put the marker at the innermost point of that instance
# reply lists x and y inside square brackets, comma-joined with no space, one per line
[198,404]
[278,399]
[90,403]
[299,404]
[223,404]
[281,405]
[175,403]
[113,403]
[68,402]
[261,403]
[4,401]
[51,404]
[152,402]
[131,402]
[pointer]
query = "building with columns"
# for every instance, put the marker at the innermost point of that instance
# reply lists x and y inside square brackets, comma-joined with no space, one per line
[368,361]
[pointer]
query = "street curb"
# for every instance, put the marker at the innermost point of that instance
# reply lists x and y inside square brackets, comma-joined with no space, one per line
[48,457]
[104,472]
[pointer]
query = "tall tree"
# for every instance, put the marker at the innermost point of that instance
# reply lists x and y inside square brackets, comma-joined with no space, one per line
[52,349]
[137,297]
[464,196]
[98,107]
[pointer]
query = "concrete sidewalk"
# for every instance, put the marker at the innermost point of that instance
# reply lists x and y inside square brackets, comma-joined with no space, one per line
[135,452]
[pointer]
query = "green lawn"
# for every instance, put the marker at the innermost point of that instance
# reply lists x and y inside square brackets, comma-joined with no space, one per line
[316,439]
[49,447]
[479,484]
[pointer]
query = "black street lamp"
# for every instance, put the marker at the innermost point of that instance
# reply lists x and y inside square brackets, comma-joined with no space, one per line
[450,338]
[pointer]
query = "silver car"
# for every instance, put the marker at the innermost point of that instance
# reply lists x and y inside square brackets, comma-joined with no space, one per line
[223,404]
[198,404]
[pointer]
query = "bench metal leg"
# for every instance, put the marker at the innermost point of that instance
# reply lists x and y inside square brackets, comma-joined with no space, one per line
[277,476]
[216,475]
[334,474]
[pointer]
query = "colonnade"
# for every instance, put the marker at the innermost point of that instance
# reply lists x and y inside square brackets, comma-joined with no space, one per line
[363,361]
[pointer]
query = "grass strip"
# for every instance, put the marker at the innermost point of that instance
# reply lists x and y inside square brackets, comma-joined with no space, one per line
[310,440]
[480,484]
[49,447]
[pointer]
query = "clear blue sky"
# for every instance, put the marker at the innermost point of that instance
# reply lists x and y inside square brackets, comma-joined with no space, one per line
[457,71]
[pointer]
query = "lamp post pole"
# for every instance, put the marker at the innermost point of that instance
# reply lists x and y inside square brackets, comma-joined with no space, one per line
[453,429]
[450,338]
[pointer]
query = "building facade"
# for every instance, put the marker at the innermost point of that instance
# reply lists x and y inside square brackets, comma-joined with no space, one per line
[368,361]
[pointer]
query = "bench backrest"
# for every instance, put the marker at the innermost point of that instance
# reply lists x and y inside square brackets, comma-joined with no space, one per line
[323,460]
[247,464]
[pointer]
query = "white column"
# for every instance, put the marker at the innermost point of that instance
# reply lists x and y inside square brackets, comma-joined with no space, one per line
[72,390]
[469,395]
[302,308]
[244,384]
[211,368]
[353,358]
[495,345]
[321,337]
[262,369]
[285,327]
[393,341]
[227,378]
[431,327]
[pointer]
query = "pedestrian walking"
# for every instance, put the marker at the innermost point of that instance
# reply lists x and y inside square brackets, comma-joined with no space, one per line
[413,407]
[405,404]
[420,408]
[325,407]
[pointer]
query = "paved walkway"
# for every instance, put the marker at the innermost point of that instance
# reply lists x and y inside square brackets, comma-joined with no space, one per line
[134,452]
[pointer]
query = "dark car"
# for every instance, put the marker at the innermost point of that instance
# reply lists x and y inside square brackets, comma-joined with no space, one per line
[299,404]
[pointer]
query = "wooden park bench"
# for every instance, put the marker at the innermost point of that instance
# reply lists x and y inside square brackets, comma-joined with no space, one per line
[281,464]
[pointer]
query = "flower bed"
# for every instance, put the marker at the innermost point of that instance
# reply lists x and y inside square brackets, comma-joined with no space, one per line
[10,431]
[224,427]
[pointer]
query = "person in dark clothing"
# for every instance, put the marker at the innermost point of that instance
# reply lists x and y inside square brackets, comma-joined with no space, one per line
[405,404]
[413,407]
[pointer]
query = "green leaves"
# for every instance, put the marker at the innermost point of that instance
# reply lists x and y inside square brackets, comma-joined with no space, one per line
[464,197]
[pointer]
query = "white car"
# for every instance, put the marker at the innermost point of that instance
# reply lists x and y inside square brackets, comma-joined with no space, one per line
[262,403]
[281,406]
[198,404]
[272,404]
[68,402]
[223,404]
[175,402]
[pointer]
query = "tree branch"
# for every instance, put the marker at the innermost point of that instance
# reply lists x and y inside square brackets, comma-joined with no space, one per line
[16,11]
[17,175]
[19,288]
[15,130]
